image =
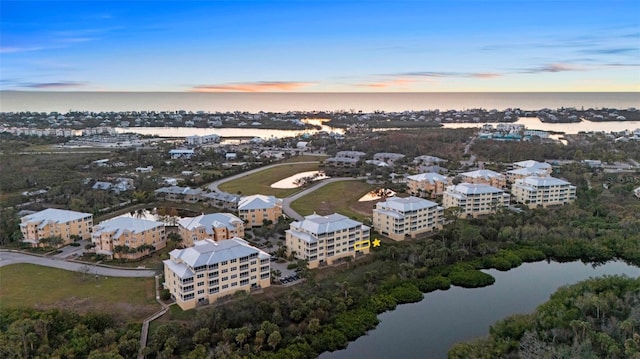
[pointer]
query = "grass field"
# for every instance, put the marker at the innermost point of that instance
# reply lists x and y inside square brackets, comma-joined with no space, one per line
[260,182]
[341,197]
[33,286]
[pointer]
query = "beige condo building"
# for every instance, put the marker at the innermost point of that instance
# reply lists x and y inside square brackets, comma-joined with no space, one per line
[543,191]
[254,210]
[399,218]
[488,177]
[54,222]
[210,270]
[475,199]
[427,185]
[129,238]
[325,239]
[216,226]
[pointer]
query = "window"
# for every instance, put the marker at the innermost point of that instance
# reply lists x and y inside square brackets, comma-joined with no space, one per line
[244,282]
[201,291]
[214,290]
[200,275]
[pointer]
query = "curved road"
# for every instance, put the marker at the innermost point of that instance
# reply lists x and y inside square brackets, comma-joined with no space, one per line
[214,185]
[7,258]
[286,202]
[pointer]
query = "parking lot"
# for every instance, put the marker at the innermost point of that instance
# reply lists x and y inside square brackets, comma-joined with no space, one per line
[287,276]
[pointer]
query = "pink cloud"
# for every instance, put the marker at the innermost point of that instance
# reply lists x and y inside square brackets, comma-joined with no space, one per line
[262,86]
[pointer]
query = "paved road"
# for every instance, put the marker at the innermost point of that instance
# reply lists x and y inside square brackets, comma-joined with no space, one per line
[7,258]
[214,185]
[286,202]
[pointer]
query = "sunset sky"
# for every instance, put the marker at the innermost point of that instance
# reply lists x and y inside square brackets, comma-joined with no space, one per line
[321,46]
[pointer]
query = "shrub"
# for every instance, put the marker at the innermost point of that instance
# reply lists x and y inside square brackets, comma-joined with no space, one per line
[430,284]
[292,265]
[467,277]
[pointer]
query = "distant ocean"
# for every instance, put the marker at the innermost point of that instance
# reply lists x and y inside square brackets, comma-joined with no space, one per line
[16,101]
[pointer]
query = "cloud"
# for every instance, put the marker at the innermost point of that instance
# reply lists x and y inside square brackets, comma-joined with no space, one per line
[440,74]
[611,51]
[54,85]
[17,49]
[385,84]
[551,68]
[260,86]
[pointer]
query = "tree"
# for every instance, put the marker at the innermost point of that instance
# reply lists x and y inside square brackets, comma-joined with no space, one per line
[274,339]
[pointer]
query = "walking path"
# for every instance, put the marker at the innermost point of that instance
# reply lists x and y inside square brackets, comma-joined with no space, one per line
[145,324]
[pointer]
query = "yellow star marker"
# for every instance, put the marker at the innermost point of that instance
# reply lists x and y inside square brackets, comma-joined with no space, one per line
[376,242]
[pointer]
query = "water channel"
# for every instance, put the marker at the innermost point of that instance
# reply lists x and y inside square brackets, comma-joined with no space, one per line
[428,329]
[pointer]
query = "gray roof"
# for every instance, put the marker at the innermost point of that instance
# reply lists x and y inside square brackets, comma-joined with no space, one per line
[429,177]
[406,204]
[258,201]
[483,174]
[532,164]
[54,215]
[179,190]
[317,224]
[542,181]
[223,196]
[473,188]
[210,221]
[122,224]
[208,252]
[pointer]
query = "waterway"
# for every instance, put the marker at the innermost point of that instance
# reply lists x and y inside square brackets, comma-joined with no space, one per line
[530,123]
[428,329]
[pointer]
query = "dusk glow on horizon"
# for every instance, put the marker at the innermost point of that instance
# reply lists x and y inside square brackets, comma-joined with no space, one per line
[321,46]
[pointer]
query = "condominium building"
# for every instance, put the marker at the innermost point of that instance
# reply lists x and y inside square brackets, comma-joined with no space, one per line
[53,222]
[129,238]
[529,168]
[488,177]
[474,199]
[543,191]
[398,218]
[258,208]
[210,270]
[216,226]
[428,185]
[324,239]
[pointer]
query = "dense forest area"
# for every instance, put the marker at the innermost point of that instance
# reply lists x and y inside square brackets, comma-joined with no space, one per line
[596,318]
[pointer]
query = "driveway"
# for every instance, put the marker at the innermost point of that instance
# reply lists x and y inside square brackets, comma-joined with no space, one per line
[7,258]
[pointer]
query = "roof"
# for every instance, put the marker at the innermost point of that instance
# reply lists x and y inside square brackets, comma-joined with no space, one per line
[223,196]
[179,190]
[532,164]
[542,181]
[208,252]
[176,151]
[258,201]
[473,188]
[405,204]
[429,177]
[54,215]
[482,174]
[210,221]
[121,225]
[317,224]
[528,171]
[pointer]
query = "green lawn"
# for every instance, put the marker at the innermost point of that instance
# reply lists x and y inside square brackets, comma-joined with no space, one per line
[260,182]
[33,286]
[341,197]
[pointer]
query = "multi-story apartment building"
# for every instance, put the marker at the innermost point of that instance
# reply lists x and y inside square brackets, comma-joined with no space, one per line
[325,239]
[258,208]
[529,168]
[543,191]
[129,238]
[474,199]
[428,185]
[399,218]
[216,226]
[52,222]
[488,177]
[210,270]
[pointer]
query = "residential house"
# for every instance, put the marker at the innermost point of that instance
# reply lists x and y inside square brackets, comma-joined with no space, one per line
[256,209]
[429,185]
[54,222]
[389,158]
[181,153]
[216,226]
[322,240]
[488,177]
[474,199]
[179,194]
[399,218]
[126,237]
[222,200]
[543,191]
[210,270]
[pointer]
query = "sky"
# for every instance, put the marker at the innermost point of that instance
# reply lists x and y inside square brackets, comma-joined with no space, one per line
[321,46]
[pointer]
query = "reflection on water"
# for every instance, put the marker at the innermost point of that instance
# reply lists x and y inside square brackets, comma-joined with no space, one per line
[299,179]
[377,194]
